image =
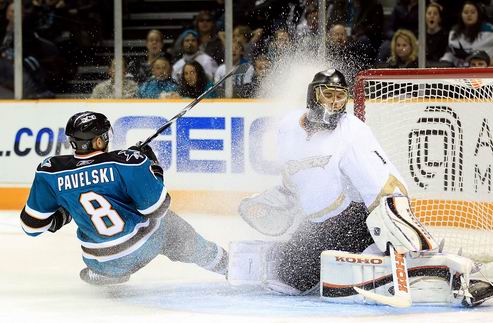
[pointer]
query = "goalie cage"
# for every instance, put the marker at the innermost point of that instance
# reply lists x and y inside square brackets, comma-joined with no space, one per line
[436,126]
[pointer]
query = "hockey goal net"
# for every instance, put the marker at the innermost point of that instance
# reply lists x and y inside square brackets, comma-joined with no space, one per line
[436,125]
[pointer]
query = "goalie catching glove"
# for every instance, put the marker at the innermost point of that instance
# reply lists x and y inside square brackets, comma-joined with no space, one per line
[271,212]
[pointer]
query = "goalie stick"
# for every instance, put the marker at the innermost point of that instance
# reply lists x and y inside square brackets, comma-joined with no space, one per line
[402,292]
[240,69]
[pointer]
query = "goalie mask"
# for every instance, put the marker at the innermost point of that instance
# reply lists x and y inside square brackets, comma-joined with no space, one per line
[83,127]
[327,98]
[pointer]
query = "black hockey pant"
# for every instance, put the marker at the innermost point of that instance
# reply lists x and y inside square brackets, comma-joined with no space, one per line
[299,265]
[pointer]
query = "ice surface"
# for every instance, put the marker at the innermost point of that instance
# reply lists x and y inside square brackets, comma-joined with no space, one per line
[39,283]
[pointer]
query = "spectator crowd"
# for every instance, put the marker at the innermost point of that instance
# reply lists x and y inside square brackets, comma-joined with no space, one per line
[359,36]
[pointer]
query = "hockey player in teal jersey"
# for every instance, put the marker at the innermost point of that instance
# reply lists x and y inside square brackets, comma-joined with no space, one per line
[119,202]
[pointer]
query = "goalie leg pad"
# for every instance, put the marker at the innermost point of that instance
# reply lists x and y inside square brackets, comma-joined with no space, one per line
[248,262]
[433,278]
[341,271]
[254,263]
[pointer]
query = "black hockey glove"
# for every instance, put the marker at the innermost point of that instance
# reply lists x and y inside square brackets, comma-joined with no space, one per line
[146,150]
[60,218]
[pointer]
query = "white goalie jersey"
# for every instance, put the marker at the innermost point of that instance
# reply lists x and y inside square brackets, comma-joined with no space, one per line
[330,169]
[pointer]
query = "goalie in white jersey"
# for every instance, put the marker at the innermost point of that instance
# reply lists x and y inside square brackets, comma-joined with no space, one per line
[342,197]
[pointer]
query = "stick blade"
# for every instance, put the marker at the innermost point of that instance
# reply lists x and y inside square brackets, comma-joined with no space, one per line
[394,301]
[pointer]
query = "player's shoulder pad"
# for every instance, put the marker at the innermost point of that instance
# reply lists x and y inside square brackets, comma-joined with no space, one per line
[125,156]
[55,163]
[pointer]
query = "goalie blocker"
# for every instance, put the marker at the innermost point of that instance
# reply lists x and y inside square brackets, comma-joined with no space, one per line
[392,222]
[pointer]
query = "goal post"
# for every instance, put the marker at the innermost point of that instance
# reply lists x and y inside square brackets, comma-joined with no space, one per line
[436,125]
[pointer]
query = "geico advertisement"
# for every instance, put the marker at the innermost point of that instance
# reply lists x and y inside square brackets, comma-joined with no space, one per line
[215,146]
[443,149]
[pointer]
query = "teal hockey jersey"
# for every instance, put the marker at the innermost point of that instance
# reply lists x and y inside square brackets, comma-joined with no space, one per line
[113,198]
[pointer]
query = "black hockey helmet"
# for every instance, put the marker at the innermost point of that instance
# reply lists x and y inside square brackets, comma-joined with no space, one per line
[327,111]
[83,127]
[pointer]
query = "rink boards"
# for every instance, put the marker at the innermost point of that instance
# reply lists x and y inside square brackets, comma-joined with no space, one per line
[223,150]
[218,153]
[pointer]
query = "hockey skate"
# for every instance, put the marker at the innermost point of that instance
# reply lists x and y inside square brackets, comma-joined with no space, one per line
[94,278]
[221,266]
[478,292]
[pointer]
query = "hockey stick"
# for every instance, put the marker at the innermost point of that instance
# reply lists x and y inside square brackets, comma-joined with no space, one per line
[402,292]
[241,69]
